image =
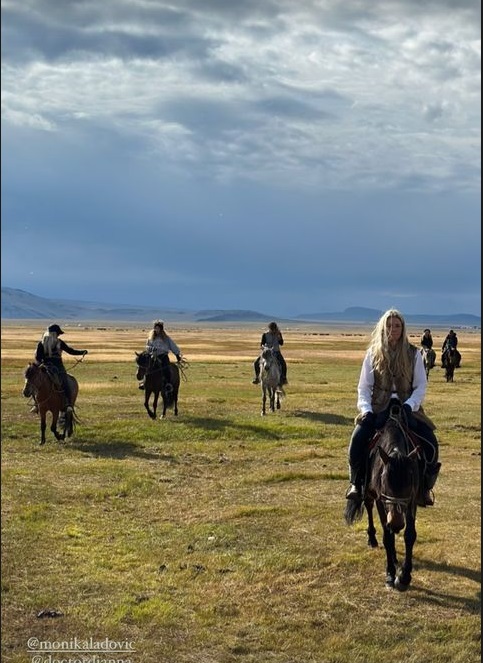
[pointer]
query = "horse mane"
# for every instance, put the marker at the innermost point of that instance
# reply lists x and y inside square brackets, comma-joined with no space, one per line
[394,442]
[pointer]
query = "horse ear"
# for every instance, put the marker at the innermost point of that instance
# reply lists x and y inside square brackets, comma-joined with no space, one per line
[138,354]
[384,455]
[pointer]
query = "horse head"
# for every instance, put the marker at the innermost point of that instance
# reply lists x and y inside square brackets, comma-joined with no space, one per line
[396,476]
[31,375]
[267,355]
[142,361]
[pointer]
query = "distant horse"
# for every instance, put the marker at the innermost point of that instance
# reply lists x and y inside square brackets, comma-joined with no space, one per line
[270,375]
[429,359]
[394,482]
[149,369]
[49,396]
[450,363]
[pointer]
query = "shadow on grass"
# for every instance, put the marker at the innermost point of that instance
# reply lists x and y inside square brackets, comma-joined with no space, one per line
[324,417]
[438,597]
[220,425]
[119,450]
[439,567]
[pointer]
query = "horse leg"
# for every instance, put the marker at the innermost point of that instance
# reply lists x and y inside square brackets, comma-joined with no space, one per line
[371,530]
[264,402]
[389,541]
[147,396]
[43,427]
[272,400]
[176,404]
[58,436]
[163,414]
[403,579]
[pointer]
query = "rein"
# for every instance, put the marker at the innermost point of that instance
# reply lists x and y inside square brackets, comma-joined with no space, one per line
[401,503]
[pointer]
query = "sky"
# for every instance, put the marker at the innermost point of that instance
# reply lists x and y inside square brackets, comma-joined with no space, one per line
[271,155]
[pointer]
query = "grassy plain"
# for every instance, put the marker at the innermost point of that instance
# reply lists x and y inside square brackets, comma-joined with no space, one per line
[218,536]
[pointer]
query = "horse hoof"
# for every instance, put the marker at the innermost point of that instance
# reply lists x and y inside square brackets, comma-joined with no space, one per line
[401,587]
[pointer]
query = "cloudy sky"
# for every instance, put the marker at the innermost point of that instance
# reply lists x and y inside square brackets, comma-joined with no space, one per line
[280,156]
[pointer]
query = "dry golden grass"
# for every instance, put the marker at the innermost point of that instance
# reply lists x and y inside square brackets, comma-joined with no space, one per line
[218,536]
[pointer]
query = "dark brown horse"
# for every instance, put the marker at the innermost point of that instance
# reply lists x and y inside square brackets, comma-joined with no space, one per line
[150,369]
[450,363]
[49,397]
[393,485]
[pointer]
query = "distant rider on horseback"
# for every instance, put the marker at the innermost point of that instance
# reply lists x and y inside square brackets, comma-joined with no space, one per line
[450,343]
[273,339]
[49,352]
[427,344]
[158,345]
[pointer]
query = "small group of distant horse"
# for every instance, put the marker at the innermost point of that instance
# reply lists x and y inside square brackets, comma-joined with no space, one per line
[450,361]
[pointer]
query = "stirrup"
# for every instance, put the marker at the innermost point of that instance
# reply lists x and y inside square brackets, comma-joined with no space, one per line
[256,381]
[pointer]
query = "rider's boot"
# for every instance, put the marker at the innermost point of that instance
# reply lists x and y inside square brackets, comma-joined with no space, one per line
[430,476]
[354,492]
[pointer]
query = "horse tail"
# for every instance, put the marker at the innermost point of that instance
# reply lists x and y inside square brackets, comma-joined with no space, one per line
[353,511]
[169,398]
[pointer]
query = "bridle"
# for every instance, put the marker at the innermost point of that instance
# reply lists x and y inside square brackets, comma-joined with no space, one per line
[400,504]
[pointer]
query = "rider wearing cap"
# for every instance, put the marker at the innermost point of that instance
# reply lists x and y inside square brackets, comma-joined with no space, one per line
[49,352]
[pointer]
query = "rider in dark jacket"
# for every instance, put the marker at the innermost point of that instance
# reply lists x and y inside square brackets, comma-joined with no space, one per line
[450,343]
[272,338]
[49,352]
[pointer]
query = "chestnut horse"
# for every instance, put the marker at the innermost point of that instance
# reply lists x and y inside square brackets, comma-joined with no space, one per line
[49,396]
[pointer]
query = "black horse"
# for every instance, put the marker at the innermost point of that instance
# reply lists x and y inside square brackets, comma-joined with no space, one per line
[394,481]
[451,361]
[149,368]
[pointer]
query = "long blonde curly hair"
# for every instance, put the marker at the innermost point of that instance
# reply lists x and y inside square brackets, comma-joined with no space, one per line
[398,360]
[50,341]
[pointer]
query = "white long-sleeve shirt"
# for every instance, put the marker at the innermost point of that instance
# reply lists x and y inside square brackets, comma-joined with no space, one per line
[366,385]
[162,346]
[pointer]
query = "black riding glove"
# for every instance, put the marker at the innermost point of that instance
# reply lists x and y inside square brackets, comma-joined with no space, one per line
[409,414]
[369,419]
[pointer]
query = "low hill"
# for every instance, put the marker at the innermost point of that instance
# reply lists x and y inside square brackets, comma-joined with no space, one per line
[22,305]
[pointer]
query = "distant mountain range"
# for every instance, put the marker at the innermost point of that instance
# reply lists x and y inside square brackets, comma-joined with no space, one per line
[21,305]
